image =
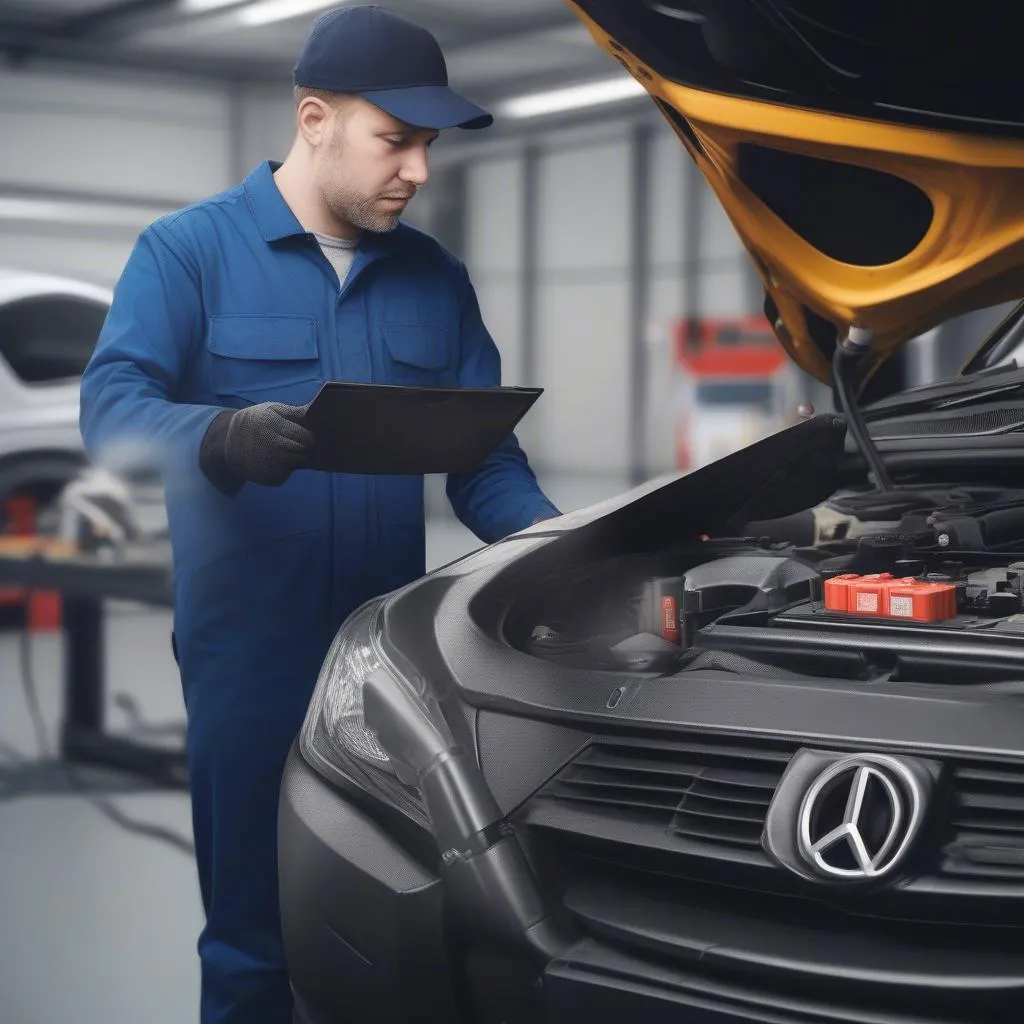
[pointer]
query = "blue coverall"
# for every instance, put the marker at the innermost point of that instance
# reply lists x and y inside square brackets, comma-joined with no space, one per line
[226,303]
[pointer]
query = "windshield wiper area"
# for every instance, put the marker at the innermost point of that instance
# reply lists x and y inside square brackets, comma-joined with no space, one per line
[999,383]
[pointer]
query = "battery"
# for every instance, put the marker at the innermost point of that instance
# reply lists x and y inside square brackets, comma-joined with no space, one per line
[843,594]
[922,602]
[869,594]
[837,598]
[879,595]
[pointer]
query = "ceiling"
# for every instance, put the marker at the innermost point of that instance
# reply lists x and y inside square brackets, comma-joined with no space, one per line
[494,48]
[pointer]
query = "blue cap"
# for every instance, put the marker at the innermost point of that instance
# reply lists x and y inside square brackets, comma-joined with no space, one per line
[390,62]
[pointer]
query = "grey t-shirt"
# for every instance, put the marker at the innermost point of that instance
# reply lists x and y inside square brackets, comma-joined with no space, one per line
[340,251]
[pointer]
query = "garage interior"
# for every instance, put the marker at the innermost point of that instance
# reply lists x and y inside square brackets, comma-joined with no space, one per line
[592,242]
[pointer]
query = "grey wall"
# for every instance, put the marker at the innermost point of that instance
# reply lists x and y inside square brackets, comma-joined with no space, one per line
[582,342]
[88,162]
[92,159]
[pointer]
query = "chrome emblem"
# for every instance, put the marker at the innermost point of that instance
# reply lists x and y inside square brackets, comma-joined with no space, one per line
[858,817]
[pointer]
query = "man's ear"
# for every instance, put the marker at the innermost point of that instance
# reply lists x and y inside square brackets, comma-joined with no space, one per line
[314,120]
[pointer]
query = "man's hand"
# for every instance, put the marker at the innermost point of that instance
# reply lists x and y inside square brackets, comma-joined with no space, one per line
[263,443]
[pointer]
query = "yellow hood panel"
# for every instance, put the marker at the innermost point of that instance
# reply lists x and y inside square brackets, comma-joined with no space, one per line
[970,256]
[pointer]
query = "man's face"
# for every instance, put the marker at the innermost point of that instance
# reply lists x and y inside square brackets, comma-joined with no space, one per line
[371,165]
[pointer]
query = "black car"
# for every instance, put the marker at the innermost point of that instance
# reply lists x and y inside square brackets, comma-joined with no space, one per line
[745,747]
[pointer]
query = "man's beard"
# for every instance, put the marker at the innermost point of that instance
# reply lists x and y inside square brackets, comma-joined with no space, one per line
[360,211]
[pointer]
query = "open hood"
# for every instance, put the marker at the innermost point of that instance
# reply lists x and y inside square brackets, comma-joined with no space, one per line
[869,154]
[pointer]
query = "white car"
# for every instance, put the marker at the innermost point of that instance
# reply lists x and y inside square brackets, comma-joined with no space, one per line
[48,329]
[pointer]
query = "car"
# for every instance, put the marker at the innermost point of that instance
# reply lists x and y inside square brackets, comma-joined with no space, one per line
[49,325]
[746,745]
[48,328]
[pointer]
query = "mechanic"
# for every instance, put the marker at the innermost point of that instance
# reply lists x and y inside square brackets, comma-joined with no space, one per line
[227,318]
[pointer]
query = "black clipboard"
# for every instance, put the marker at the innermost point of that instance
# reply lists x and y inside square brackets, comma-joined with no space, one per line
[394,429]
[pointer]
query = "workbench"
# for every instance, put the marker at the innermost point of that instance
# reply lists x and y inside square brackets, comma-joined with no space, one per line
[85,581]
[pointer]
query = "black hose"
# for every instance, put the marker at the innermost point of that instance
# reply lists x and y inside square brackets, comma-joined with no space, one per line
[844,362]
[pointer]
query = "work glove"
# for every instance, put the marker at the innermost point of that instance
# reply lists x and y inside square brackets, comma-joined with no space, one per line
[263,444]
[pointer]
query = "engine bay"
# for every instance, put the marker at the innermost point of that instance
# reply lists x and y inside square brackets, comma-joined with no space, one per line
[845,589]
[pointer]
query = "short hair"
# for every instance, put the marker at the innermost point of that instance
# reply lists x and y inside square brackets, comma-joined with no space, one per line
[333,99]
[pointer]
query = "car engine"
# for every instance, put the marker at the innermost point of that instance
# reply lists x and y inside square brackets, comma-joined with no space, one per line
[869,585]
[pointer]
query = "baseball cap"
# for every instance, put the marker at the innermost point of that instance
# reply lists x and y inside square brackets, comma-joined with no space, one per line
[389,61]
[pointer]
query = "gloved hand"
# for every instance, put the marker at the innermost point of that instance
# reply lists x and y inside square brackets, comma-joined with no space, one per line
[262,443]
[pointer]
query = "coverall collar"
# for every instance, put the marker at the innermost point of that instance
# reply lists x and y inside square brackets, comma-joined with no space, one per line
[276,221]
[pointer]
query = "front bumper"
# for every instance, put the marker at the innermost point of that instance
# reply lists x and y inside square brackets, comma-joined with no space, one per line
[372,932]
[362,919]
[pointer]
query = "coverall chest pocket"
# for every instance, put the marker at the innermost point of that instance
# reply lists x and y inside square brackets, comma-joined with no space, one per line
[263,358]
[417,353]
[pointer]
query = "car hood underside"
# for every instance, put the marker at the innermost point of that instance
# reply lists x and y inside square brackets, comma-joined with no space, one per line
[856,207]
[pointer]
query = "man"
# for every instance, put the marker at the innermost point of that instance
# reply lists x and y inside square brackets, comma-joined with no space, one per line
[228,317]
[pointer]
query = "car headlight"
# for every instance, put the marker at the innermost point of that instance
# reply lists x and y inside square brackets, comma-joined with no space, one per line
[384,731]
[354,656]
[335,738]
[335,723]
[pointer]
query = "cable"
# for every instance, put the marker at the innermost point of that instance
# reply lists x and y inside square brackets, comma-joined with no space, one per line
[140,727]
[105,807]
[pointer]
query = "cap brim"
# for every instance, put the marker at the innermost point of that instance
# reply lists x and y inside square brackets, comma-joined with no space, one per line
[429,106]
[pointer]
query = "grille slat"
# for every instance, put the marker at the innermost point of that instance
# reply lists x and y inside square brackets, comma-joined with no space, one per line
[672,759]
[707,834]
[709,817]
[690,810]
[992,801]
[612,783]
[603,801]
[986,825]
[701,799]
[994,775]
[682,770]
[982,825]
[698,792]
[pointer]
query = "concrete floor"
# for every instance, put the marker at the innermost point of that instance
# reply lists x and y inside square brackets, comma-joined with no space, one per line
[98,925]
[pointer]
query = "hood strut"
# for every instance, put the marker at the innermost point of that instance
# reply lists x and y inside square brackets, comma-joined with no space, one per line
[848,355]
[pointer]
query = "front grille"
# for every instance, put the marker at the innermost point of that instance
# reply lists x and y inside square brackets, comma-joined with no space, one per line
[987,824]
[696,809]
[705,793]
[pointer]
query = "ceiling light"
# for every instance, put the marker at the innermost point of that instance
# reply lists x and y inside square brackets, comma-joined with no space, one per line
[83,212]
[264,12]
[206,5]
[589,94]
[680,13]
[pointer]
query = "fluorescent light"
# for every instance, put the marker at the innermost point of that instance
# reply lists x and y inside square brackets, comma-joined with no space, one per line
[676,12]
[264,12]
[83,212]
[573,97]
[206,5]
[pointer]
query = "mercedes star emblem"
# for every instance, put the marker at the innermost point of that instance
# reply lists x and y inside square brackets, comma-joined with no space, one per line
[857,819]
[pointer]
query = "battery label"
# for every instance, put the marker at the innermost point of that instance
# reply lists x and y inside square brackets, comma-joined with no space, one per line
[867,602]
[902,607]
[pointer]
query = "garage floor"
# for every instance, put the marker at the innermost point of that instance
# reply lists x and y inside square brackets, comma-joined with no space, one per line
[98,924]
